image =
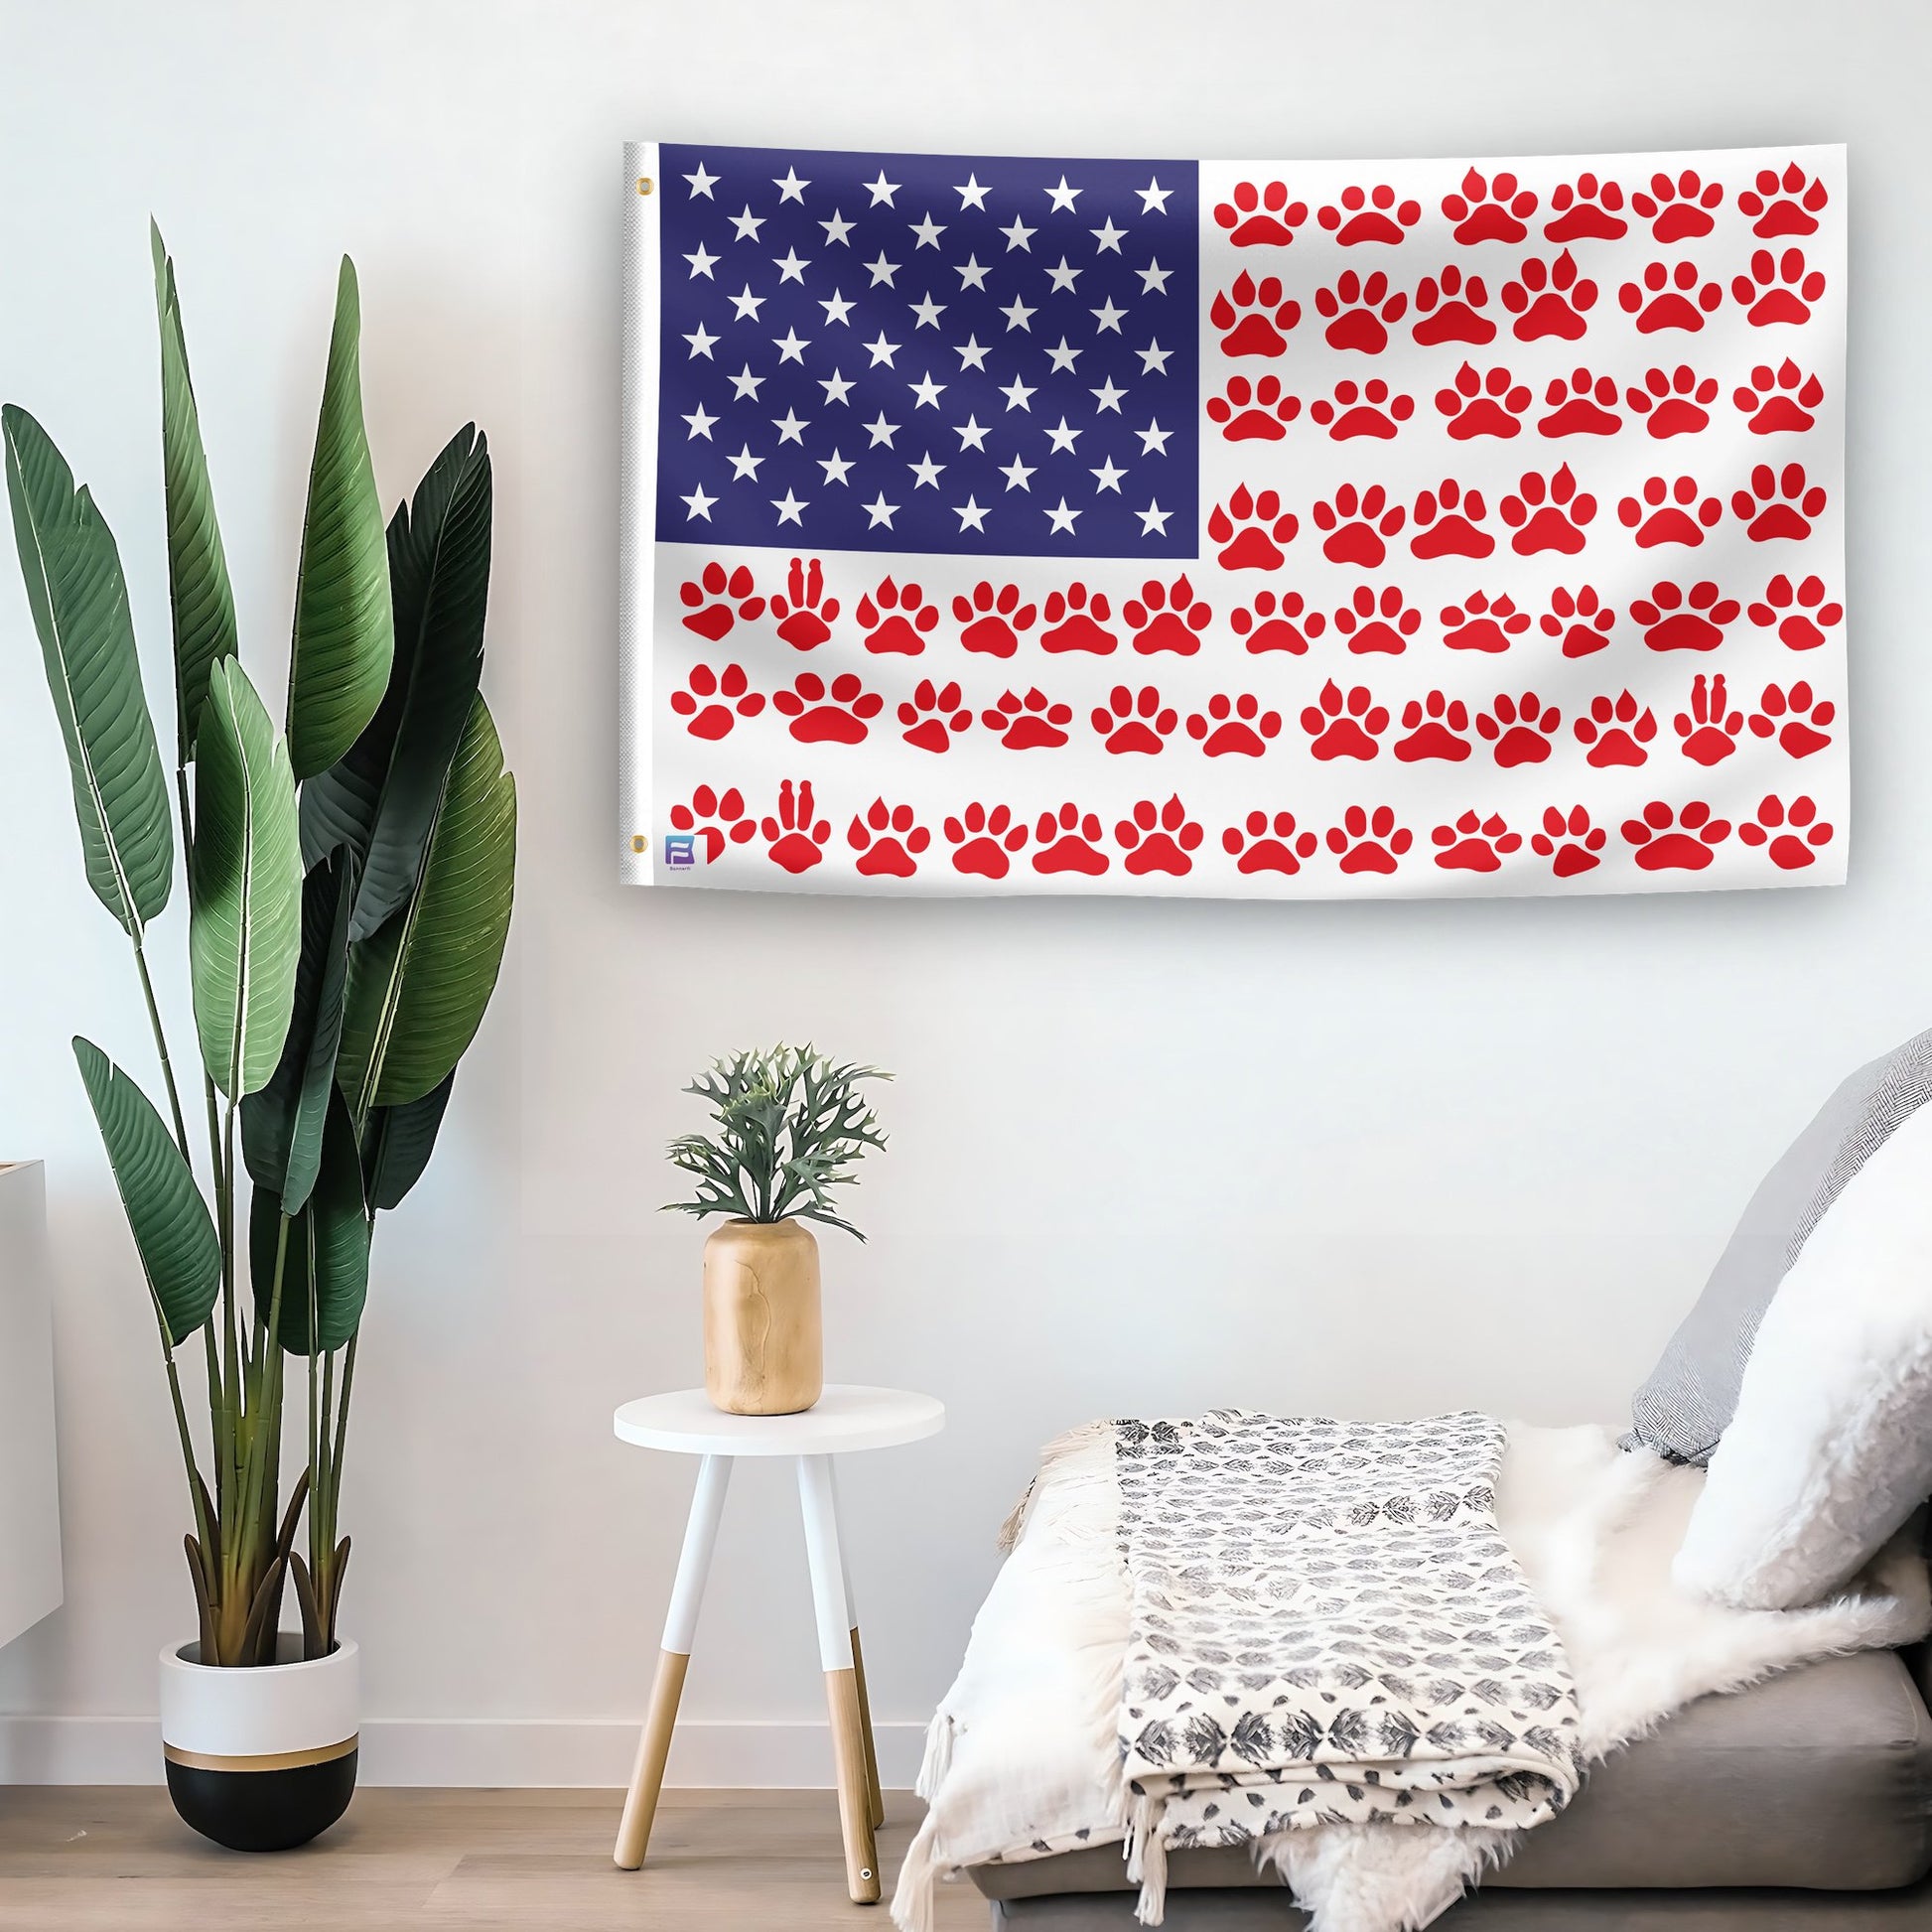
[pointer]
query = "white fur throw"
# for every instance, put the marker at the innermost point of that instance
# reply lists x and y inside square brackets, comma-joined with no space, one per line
[1830,1447]
[1022,1756]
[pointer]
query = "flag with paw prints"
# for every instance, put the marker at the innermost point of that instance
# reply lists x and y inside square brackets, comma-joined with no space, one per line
[1285,529]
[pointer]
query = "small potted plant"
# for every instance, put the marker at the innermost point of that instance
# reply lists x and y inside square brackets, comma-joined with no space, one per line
[789,1127]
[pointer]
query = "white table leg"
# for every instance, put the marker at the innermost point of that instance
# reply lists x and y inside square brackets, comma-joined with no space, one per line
[680,1626]
[875,1795]
[818,1504]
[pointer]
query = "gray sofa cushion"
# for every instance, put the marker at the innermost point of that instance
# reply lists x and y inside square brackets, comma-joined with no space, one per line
[1820,1779]
[1690,1395]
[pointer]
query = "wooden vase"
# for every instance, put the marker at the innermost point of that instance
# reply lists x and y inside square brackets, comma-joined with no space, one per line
[763,1345]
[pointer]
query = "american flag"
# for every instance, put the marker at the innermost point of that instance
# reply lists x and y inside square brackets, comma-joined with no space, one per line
[873,352]
[1267,528]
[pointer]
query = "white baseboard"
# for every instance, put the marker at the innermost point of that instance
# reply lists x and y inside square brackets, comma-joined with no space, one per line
[482,1752]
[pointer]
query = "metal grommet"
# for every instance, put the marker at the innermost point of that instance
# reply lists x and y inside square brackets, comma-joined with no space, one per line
[639,842]
[644,184]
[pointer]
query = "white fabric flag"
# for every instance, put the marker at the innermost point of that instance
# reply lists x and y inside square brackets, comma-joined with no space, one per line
[1280,530]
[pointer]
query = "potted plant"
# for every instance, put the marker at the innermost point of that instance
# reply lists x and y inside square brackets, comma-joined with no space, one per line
[349,895]
[789,1127]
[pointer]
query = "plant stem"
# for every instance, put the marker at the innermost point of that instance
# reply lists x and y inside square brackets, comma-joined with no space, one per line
[161,1047]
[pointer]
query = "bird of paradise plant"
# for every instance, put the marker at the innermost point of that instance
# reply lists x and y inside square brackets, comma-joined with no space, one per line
[350,882]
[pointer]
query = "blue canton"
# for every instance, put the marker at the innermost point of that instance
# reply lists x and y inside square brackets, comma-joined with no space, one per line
[928,352]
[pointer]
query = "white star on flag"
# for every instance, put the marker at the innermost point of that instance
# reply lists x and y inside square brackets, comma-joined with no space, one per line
[971,193]
[789,508]
[928,311]
[791,189]
[1108,476]
[971,355]
[790,266]
[1061,519]
[838,309]
[881,351]
[702,183]
[1018,234]
[1107,396]
[971,274]
[1153,439]
[747,223]
[701,339]
[925,391]
[700,423]
[791,428]
[1154,197]
[882,190]
[701,262]
[1153,519]
[747,304]
[837,229]
[1108,236]
[1154,278]
[744,464]
[1064,198]
[835,465]
[925,473]
[971,516]
[971,435]
[881,270]
[745,385]
[879,509]
[1063,277]
[1062,438]
[1154,358]
[836,386]
[882,431]
[792,347]
[1017,394]
[698,503]
[929,231]
[1017,472]
[1062,356]
[1107,316]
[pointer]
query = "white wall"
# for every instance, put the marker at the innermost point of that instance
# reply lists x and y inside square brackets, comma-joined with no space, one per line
[1367,1159]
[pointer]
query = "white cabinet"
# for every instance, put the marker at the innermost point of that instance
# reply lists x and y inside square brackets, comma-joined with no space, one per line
[30,1510]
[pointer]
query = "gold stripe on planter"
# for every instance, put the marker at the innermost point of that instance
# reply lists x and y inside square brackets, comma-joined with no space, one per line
[266,1762]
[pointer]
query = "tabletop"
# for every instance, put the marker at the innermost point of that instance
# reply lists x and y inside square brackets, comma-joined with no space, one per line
[847,1417]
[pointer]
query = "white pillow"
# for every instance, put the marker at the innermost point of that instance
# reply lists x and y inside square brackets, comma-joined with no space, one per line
[1830,1451]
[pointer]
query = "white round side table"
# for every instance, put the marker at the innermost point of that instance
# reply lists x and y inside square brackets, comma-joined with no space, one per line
[844,1420]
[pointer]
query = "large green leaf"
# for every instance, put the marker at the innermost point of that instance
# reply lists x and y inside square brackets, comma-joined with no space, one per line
[172,1232]
[399,1142]
[244,932]
[418,989]
[79,599]
[380,797]
[281,1126]
[326,1264]
[198,571]
[343,632]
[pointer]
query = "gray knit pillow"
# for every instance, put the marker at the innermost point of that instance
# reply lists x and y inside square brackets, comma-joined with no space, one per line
[1692,1393]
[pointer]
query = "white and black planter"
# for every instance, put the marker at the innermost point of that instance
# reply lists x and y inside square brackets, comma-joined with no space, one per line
[260,1759]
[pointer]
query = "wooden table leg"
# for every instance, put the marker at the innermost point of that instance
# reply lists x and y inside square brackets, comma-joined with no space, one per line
[680,1626]
[878,1798]
[820,1512]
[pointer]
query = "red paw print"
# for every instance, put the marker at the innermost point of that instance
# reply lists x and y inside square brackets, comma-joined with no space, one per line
[934,716]
[1475,842]
[1372,623]
[1791,833]
[897,618]
[1801,613]
[1234,727]
[1126,723]
[1615,730]
[1795,716]
[983,840]
[1675,840]
[1779,288]
[1445,523]
[1586,209]
[1779,503]
[1782,204]
[1580,619]
[805,614]
[1260,215]
[1356,523]
[1779,399]
[1580,404]
[1069,841]
[717,600]
[718,818]
[1549,299]
[1251,529]
[1345,725]
[1481,622]
[1548,514]
[1520,729]
[836,714]
[1077,622]
[1370,214]
[1673,402]
[1446,309]
[1675,620]
[1159,839]
[1360,311]
[993,620]
[1367,409]
[1278,623]
[888,840]
[1264,844]
[1483,405]
[795,838]
[1252,315]
[1710,727]
[1249,411]
[1669,512]
[1437,728]
[1570,843]
[1167,616]
[1669,297]
[1679,209]
[1369,841]
[1029,723]
[714,701]
[1489,210]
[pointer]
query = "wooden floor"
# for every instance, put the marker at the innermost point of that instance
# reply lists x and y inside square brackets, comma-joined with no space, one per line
[116,1859]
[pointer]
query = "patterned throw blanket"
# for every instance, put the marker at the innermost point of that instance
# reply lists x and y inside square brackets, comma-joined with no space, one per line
[1328,1626]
